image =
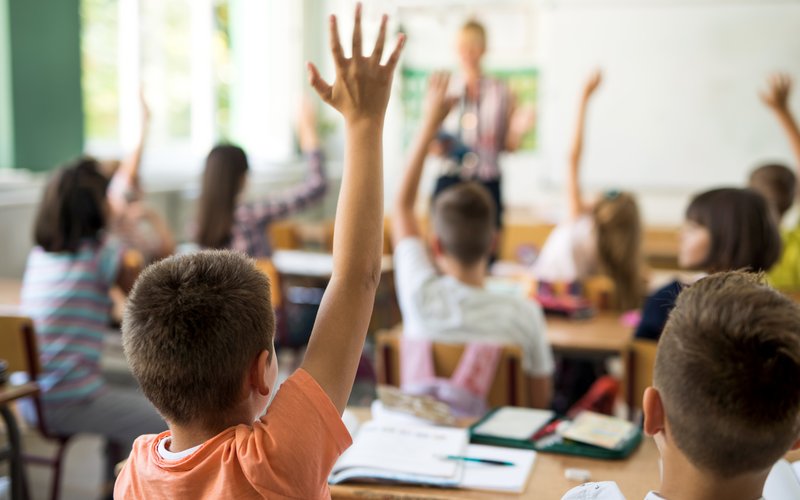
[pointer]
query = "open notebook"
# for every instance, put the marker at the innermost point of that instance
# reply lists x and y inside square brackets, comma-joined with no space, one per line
[416,454]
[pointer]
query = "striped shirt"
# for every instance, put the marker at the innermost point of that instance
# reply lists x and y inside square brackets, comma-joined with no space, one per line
[66,295]
[486,132]
[251,220]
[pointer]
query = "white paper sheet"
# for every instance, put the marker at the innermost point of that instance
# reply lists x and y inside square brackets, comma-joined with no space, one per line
[495,477]
[515,423]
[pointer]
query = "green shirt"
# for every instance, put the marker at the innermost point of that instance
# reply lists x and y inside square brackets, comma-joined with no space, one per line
[785,275]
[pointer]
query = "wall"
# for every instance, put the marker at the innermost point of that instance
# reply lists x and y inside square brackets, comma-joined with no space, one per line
[6,129]
[679,107]
[44,67]
[678,112]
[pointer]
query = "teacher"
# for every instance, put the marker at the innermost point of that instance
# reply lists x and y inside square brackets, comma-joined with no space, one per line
[484,122]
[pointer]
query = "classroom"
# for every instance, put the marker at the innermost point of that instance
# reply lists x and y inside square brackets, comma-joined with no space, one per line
[400,249]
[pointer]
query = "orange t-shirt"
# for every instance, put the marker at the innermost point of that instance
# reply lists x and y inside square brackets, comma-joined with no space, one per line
[289,453]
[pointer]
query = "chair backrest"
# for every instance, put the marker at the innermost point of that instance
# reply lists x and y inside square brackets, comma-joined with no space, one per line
[283,235]
[510,385]
[18,345]
[276,292]
[641,361]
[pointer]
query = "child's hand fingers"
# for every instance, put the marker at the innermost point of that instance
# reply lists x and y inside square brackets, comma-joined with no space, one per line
[322,87]
[377,52]
[391,63]
[336,46]
[357,49]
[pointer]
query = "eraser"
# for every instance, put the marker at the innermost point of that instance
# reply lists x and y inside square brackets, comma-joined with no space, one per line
[578,475]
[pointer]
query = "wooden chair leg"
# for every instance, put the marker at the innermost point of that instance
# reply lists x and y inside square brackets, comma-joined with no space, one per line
[58,462]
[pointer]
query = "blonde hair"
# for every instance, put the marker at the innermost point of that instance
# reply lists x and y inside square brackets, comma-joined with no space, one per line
[618,229]
[476,28]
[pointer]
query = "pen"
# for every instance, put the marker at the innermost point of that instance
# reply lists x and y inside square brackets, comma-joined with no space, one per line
[479,460]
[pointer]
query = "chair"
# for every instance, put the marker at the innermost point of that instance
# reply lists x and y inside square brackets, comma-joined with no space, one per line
[641,359]
[283,235]
[19,347]
[510,385]
[276,297]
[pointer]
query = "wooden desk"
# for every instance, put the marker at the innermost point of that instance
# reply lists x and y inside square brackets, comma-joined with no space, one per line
[12,451]
[306,264]
[636,475]
[602,334]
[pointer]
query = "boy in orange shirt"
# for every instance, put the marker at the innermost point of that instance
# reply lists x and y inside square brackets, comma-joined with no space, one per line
[198,334]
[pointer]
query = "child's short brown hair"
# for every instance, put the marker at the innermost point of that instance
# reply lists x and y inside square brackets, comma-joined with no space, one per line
[192,327]
[464,221]
[778,184]
[727,369]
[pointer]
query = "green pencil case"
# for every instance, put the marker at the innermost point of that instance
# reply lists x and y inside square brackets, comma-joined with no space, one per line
[554,443]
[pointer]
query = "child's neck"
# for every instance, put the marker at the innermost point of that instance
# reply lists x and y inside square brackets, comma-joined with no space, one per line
[472,275]
[184,437]
[680,480]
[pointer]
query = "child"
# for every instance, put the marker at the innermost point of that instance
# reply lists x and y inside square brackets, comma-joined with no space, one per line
[65,291]
[224,221]
[599,237]
[778,184]
[725,230]
[725,404]
[455,306]
[198,333]
[136,225]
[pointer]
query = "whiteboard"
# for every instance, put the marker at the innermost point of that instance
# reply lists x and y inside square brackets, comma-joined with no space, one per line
[679,107]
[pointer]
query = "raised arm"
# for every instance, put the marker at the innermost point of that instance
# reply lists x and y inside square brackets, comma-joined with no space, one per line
[437,107]
[128,172]
[777,99]
[361,94]
[575,201]
[300,196]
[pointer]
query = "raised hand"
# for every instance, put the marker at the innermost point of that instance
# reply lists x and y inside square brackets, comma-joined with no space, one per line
[592,83]
[437,104]
[362,86]
[777,94]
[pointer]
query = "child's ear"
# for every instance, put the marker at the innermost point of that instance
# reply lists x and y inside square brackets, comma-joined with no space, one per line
[796,445]
[259,373]
[495,242]
[436,246]
[654,417]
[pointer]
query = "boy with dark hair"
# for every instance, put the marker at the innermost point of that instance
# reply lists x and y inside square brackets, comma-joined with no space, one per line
[778,184]
[725,404]
[455,306]
[198,333]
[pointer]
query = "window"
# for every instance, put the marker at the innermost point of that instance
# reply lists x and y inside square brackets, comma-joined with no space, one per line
[200,88]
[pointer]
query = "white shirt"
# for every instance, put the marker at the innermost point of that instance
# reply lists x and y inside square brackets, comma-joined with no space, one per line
[606,490]
[570,252]
[442,308]
[174,456]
